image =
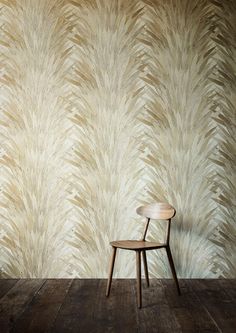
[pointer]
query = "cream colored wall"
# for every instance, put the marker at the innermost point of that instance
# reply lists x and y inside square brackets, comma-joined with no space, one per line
[106,105]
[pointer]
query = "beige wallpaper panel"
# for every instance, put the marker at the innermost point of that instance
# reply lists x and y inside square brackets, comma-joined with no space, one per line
[106,105]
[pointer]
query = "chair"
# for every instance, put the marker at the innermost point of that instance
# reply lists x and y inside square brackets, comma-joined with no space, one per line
[155,211]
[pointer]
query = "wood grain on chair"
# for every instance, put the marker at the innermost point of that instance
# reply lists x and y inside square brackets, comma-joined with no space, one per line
[155,211]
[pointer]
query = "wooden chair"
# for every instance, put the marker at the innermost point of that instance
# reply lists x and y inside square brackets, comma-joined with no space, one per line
[155,211]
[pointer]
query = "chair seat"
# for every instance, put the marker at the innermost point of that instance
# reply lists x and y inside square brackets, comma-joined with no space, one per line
[136,245]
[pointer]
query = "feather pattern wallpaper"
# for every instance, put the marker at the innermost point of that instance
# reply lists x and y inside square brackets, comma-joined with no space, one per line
[107,105]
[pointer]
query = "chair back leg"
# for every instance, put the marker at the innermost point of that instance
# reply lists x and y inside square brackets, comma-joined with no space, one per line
[111,271]
[171,262]
[145,267]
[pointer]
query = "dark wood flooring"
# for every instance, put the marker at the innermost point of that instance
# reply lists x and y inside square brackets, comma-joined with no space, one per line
[62,305]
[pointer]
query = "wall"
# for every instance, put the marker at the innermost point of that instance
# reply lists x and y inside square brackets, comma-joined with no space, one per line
[106,105]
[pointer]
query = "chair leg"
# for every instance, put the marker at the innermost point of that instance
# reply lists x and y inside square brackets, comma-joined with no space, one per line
[171,262]
[111,271]
[138,269]
[145,267]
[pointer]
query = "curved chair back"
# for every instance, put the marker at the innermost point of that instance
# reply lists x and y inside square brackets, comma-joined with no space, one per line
[157,211]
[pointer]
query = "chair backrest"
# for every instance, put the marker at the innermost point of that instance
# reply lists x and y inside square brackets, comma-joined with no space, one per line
[157,211]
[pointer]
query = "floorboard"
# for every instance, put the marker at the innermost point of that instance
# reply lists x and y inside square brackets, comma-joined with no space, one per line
[6,285]
[118,312]
[80,305]
[217,303]
[14,302]
[187,309]
[46,305]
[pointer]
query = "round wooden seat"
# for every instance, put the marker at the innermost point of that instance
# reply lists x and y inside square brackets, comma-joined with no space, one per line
[136,245]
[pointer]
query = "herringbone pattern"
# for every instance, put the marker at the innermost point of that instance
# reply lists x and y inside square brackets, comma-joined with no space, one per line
[106,105]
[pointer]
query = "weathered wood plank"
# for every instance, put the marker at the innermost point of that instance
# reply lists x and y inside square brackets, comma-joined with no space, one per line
[87,309]
[229,285]
[6,285]
[187,309]
[76,313]
[41,313]
[62,305]
[120,305]
[15,301]
[155,315]
[217,302]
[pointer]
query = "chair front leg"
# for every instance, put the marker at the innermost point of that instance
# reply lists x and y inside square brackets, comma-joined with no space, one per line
[111,271]
[138,269]
[145,267]
[171,262]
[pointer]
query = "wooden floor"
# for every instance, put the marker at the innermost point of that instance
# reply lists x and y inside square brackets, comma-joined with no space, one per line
[81,306]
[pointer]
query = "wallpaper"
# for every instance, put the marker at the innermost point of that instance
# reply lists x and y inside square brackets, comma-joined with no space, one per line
[106,105]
